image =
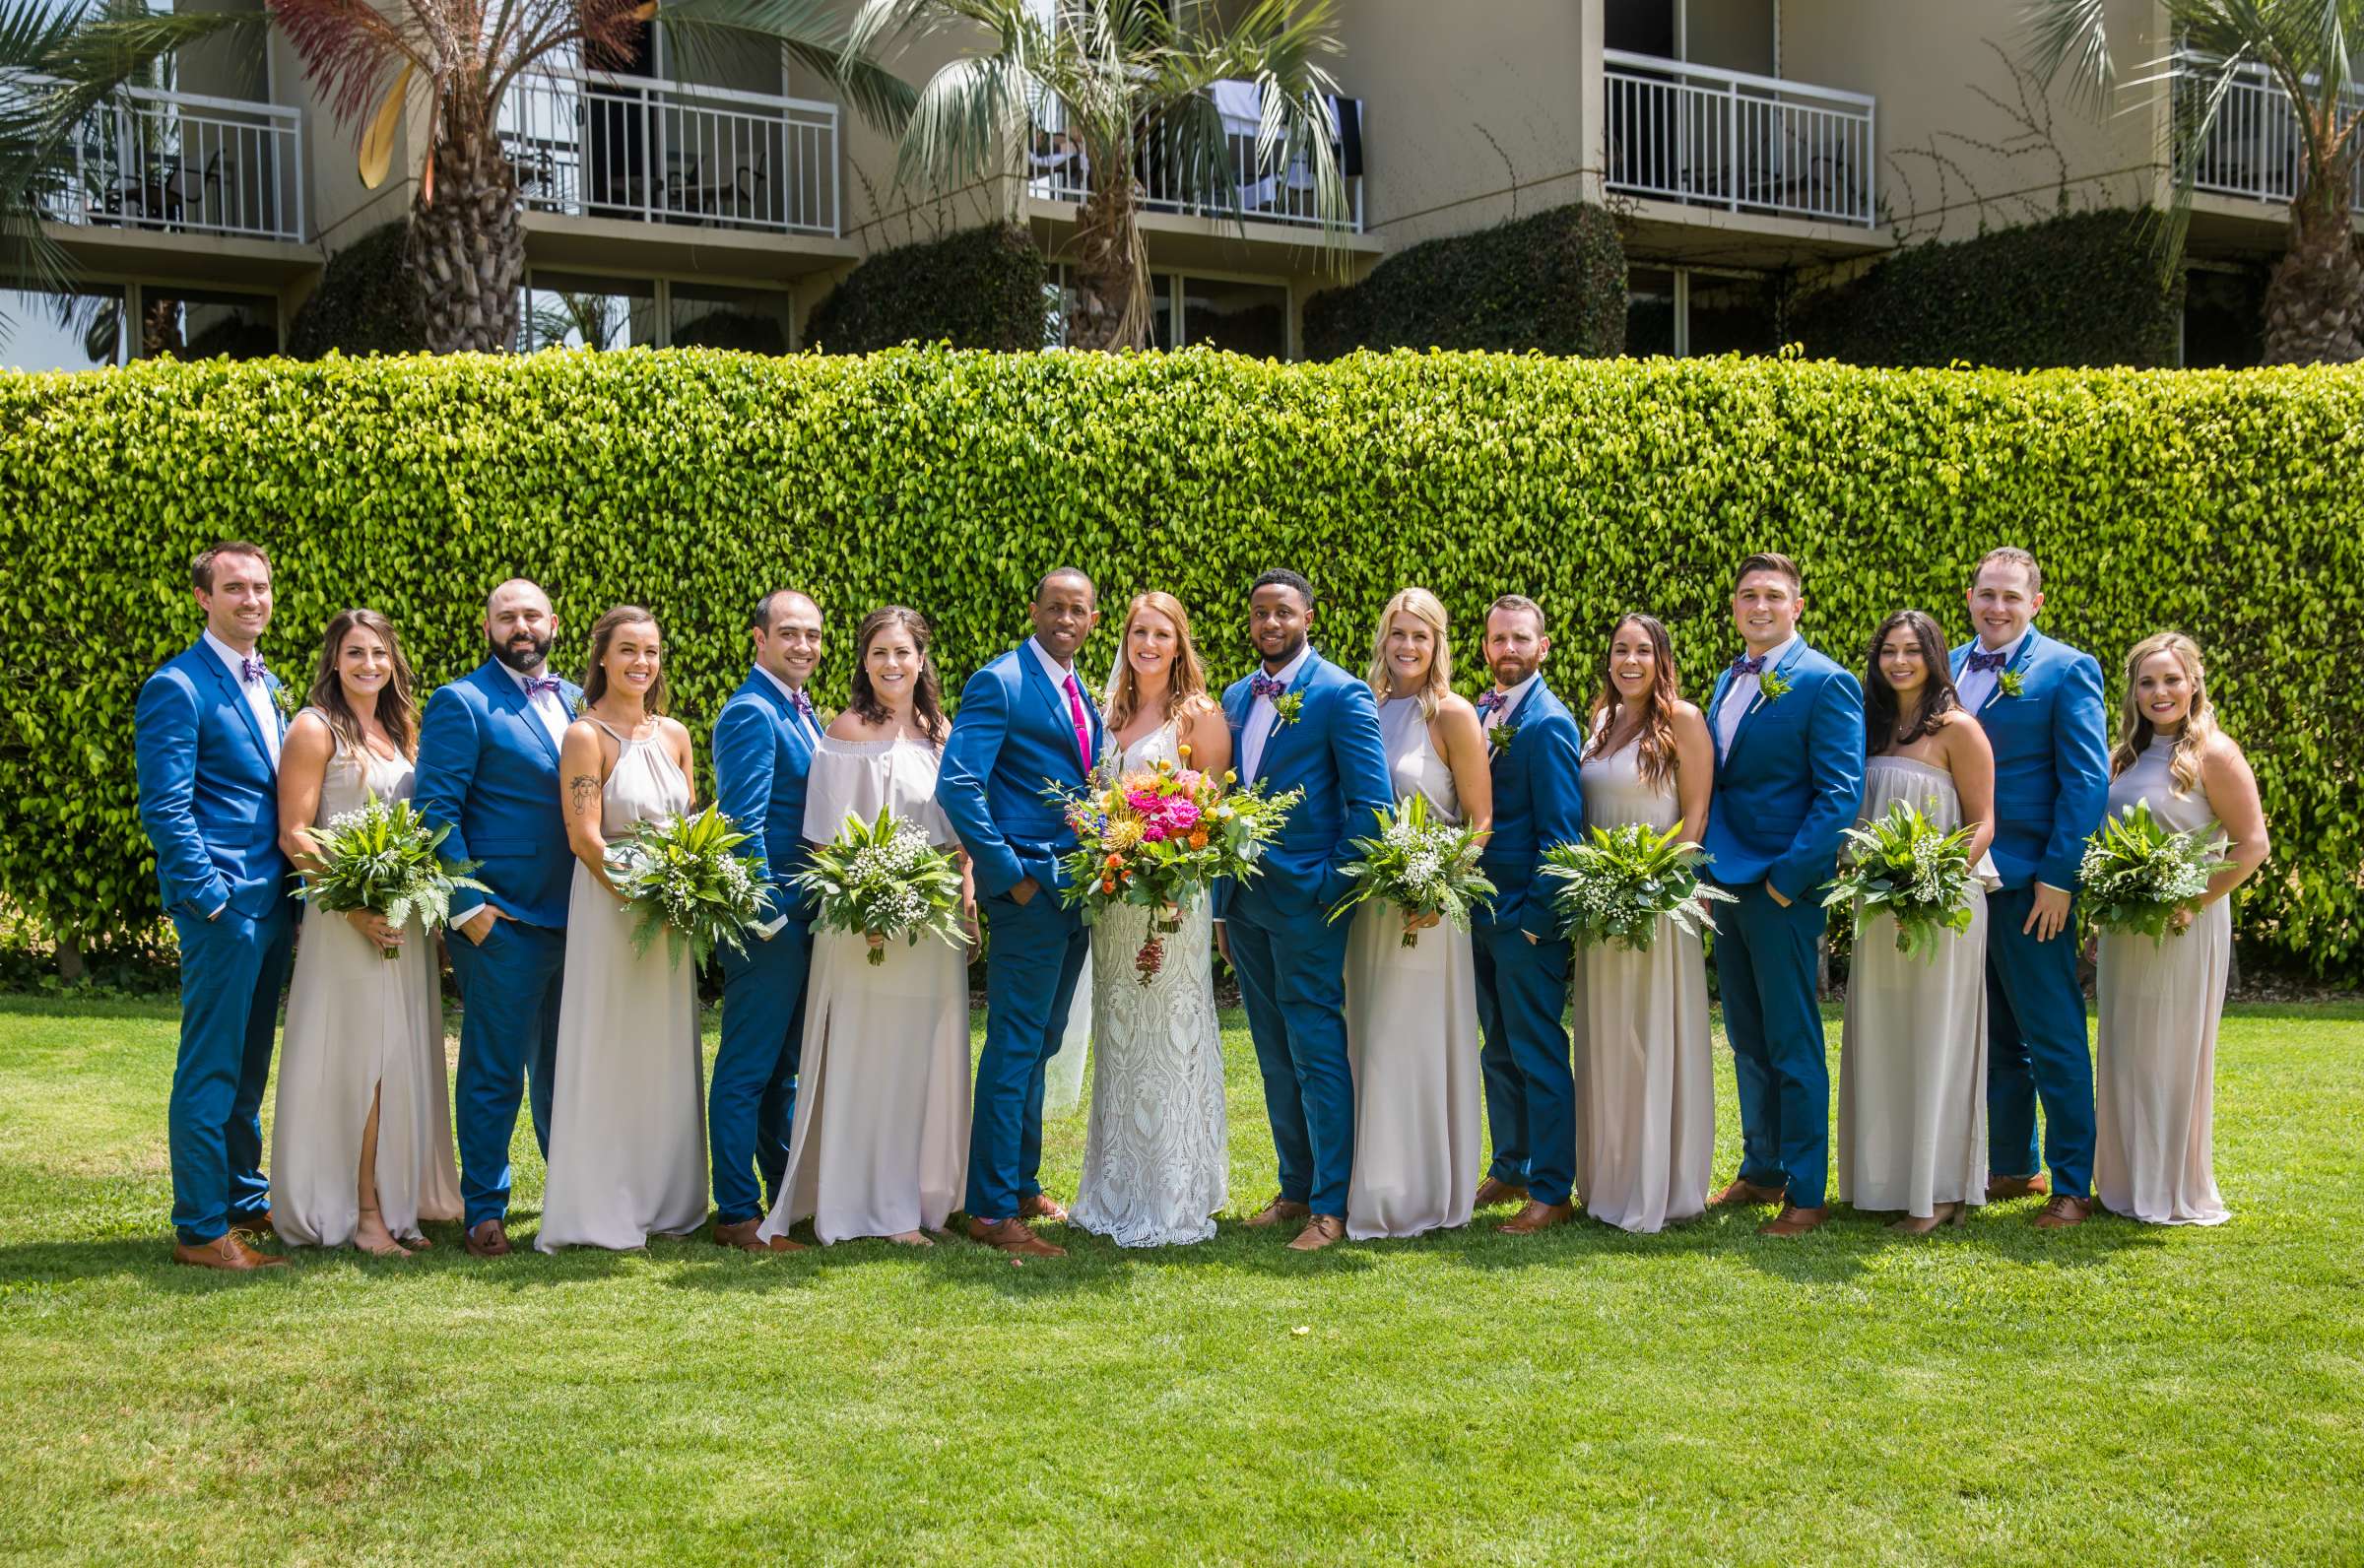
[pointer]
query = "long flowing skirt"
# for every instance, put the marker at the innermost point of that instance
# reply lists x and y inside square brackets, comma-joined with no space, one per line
[1913,1072]
[1645,1084]
[2154,1071]
[1411,1037]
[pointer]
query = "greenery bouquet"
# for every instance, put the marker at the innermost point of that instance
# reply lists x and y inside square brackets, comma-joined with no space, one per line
[1153,836]
[1420,864]
[884,879]
[1616,883]
[1905,867]
[684,876]
[2136,876]
[383,858]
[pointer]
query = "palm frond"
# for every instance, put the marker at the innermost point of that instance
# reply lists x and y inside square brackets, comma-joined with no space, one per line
[812,32]
[2072,36]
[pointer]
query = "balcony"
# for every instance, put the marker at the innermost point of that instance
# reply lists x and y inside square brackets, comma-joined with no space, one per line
[593,144]
[1706,137]
[185,163]
[2253,149]
[1264,189]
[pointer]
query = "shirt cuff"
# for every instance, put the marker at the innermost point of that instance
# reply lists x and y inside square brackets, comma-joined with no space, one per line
[2048,888]
[770,928]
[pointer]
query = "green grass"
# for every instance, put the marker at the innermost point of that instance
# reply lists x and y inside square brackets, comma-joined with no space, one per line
[1994,1394]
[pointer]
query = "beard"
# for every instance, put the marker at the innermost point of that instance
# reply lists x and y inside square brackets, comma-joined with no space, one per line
[1508,672]
[525,661]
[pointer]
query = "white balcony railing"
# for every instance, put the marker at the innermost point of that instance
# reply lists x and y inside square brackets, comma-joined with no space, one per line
[187,163]
[601,146]
[1757,144]
[2254,148]
[1268,189]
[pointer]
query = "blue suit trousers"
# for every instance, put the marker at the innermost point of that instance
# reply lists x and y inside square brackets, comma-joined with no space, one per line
[750,1103]
[1765,968]
[233,970]
[2036,1047]
[1033,956]
[508,1040]
[1292,966]
[1530,1074]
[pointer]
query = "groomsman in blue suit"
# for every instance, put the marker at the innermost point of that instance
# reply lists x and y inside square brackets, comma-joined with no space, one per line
[488,770]
[1301,722]
[1789,728]
[2040,702]
[207,738]
[1025,723]
[1522,956]
[764,740]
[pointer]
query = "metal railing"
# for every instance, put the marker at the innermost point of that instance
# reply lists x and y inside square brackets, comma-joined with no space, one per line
[1757,143]
[597,145]
[184,163]
[2254,149]
[1268,189]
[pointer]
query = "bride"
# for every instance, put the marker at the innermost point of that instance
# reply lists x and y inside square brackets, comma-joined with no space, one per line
[1156,1165]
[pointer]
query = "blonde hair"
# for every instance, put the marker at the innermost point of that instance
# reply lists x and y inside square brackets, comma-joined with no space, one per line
[1186,688]
[1426,608]
[2135,732]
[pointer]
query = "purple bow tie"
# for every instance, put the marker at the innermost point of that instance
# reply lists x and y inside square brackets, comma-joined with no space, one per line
[1264,686]
[1988,661]
[1492,701]
[535,686]
[1748,663]
[801,702]
[250,669]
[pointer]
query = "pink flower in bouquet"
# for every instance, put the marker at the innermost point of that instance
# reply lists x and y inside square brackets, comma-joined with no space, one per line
[1163,817]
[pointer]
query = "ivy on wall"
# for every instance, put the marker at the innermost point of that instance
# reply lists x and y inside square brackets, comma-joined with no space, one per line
[1553,282]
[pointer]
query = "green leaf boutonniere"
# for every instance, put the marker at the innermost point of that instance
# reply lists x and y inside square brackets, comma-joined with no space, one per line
[1289,705]
[1501,735]
[283,698]
[1772,685]
[2012,682]
[580,708]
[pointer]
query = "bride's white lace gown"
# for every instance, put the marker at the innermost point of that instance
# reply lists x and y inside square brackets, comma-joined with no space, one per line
[1157,1160]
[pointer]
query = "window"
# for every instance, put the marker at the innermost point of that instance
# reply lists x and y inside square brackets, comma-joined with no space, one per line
[1683,310]
[562,310]
[704,316]
[79,331]
[1250,318]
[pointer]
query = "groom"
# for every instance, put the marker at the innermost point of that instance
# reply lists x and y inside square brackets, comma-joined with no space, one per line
[1024,724]
[488,770]
[206,738]
[1301,722]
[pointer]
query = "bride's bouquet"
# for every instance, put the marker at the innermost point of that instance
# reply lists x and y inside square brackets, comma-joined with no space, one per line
[1153,836]
[2137,876]
[1422,865]
[1906,866]
[684,876]
[884,879]
[1615,884]
[383,858]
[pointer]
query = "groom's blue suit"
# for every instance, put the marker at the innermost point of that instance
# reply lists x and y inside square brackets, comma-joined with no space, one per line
[2052,789]
[1521,955]
[488,770]
[208,798]
[1014,737]
[1290,955]
[1786,790]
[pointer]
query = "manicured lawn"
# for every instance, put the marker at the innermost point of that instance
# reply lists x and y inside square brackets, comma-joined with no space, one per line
[2116,1393]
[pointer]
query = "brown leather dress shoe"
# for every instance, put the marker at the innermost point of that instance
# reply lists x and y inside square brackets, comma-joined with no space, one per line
[742,1235]
[2000,1188]
[225,1251]
[1537,1216]
[1280,1211]
[1794,1221]
[2064,1211]
[257,1224]
[1013,1237]
[1319,1232]
[489,1239]
[1495,1191]
[1041,1207]
[1745,1192]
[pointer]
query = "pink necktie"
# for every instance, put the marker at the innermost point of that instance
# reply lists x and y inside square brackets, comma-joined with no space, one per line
[1075,709]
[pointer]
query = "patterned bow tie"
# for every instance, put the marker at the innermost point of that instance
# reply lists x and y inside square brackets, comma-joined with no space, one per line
[1748,665]
[1491,702]
[1264,686]
[250,670]
[801,702]
[535,686]
[1988,661]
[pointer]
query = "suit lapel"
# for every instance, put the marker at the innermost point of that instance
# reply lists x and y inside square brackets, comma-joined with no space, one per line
[504,690]
[1032,674]
[235,696]
[2027,651]
[1715,708]
[1280,723]
[1756,703]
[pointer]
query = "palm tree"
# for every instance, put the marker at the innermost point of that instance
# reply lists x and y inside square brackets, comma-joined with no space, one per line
[37,157]
[1121,79]
[2314,299]
[370,59]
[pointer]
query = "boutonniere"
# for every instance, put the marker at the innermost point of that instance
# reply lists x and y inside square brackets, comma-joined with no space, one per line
[1289,705]
[1502,735]
[1772,685]
[580,708]
[2010,682]
[283,698]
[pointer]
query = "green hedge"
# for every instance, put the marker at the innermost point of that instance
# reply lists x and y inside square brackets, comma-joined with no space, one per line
[979,288]
[366,302]
[1554,282]
[2082,289]
[2225,503]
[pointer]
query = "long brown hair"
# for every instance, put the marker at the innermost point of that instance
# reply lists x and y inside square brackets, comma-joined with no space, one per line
[1654,746]
[603,632]
[397,705]
[1938,696]
[927,695]
[1426,608]
[2135,732]
[1186,683]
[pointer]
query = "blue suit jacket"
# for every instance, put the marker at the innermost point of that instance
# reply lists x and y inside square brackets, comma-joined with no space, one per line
[761,758]
[488,770]
[2052,767]
[209,796]
[1012,736]
[1333,754]
[1539,804]
[1792,783]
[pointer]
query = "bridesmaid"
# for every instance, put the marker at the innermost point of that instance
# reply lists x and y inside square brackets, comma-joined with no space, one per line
[1412,1012]
[628,1134]
[2155,1064]
[360,1139]
[1913,1056]
[880,1146]
[1645,1085]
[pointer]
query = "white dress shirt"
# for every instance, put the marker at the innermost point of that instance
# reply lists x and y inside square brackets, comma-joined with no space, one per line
[546,707]
[1977,686]
[1742,694]
[256,693]
[1502,711]
[1263,717]
[808,725]
[1060,674]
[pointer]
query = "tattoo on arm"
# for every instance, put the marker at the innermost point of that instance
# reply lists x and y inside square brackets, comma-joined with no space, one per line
[583,791]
